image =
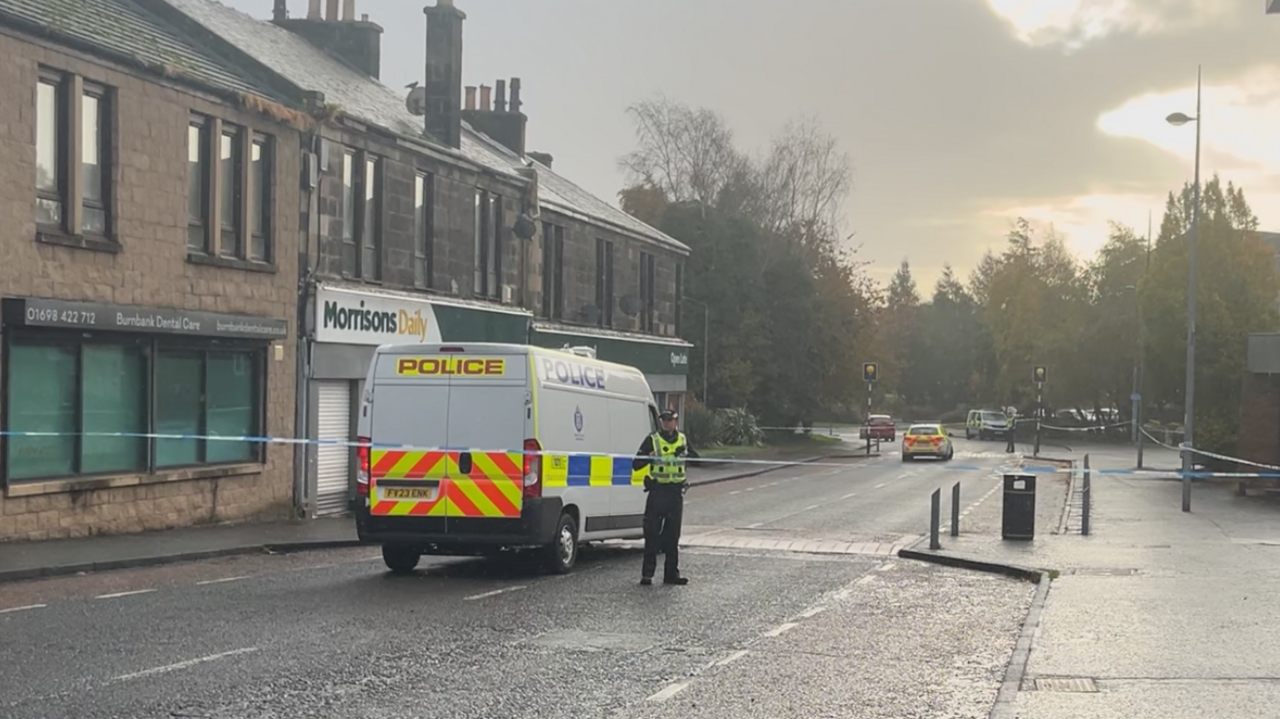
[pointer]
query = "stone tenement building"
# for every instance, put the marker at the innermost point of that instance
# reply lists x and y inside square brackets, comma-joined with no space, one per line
[204,210]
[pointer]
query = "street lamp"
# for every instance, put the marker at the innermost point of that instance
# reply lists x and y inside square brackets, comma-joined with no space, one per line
[1179,119]
[706,334]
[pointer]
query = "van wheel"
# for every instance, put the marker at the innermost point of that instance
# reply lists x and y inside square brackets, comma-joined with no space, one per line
[968,434]
[562,553]
[400,559]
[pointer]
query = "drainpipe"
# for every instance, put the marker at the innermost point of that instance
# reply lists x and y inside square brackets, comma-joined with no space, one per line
[302,499]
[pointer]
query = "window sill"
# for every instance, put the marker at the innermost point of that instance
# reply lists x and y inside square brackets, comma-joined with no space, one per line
[78,242]
[34,488]
[231,263]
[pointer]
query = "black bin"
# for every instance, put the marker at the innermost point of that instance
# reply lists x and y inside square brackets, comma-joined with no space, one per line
[1019,521]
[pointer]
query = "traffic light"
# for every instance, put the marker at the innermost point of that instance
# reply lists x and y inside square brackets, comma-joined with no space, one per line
[1040,374]
[869,371]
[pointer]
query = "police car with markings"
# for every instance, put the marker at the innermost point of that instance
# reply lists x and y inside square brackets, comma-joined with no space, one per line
[477,448]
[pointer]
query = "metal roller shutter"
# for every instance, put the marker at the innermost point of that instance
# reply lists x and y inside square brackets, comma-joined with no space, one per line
[333,462]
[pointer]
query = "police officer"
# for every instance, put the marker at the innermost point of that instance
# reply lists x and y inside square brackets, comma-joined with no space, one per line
[664,452]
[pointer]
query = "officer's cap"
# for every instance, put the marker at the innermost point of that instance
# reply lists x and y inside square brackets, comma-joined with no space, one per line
[667,414]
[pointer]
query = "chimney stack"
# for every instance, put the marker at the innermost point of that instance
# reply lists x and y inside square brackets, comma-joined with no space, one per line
[500,96]
[471,97]
[502,120]
[358,44]
[444,72]
[280,11]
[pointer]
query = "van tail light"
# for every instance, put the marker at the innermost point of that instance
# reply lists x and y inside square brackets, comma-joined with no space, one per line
[362,468]
[532,468]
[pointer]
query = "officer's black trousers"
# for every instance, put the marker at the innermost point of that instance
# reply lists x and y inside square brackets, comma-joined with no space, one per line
[663,515]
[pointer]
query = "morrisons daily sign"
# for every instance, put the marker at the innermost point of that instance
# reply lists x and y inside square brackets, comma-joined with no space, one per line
[365,318]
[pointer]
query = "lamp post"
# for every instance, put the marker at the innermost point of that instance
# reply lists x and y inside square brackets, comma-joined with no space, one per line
[1178,119]
[706,336]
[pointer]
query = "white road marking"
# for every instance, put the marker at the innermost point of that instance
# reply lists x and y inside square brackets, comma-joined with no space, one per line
[850,495]
[23,609]
[732,658]
[750,489]
[866,580]
[781,629]
[881,485]
[494,593]
[227,579]
[669,692]
[736,491]
[812,612]
[904,475]
[811,507]
[753,526]
[183,665]
[886,567]
[124,594]
[842,595]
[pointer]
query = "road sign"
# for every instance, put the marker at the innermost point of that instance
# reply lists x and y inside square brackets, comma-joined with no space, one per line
[1039,374]
[870,371]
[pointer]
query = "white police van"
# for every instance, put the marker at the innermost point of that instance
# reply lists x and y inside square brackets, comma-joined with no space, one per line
[473,448]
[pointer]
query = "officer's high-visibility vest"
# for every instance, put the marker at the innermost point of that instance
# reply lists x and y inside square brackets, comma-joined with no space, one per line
[667,468]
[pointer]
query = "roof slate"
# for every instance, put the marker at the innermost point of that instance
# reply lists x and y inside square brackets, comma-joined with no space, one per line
[121,27]
[363,98]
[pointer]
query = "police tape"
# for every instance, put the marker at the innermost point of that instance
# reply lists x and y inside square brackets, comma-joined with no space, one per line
[849,453]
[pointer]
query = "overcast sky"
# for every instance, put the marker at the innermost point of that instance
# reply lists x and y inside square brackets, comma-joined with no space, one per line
[959,115]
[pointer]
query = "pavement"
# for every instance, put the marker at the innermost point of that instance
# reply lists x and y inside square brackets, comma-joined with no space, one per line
[798,607]
[1155,612]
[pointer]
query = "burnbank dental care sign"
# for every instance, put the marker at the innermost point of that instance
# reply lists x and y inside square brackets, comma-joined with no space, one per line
[351,317]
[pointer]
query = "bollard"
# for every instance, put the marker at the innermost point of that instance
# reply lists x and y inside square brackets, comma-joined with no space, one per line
[955,510]
[1086,499]
[935,518]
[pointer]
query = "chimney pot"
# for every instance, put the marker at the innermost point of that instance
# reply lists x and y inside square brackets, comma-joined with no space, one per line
[313,10]
[280,11]
[500,96]
[516,103]
[331,11]
[348,10]
[486,103]
[471,97]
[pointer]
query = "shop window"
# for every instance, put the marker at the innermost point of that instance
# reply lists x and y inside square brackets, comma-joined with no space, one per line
[205,394]
[91,391]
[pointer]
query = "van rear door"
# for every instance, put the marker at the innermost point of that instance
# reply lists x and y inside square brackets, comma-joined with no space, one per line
[490,416]
[410,410]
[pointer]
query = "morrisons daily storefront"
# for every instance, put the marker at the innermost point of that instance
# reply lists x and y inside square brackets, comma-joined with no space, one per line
[348,325]
[664,360]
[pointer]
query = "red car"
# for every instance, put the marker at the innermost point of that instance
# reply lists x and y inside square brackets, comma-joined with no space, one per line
[879,426]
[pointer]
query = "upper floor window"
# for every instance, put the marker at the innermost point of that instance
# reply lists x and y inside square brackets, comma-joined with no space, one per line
[361,216]
[648,282]
[679,298]
[73,155]
[349,251]
[488,245]
[423,229]
[604,282]
[552,271]
[230,194]
[370,221]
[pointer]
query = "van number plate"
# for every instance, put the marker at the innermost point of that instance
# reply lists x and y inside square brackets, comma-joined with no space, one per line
[408,492]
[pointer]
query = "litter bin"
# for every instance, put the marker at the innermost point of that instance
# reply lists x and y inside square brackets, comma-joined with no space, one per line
[1019,507]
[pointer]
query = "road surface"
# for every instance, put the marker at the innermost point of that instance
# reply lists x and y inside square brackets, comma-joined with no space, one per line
[797,608]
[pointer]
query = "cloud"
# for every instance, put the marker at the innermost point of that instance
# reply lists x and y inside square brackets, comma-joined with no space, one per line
[1074,23]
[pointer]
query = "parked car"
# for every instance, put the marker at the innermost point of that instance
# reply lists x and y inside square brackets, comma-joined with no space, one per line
[879,426]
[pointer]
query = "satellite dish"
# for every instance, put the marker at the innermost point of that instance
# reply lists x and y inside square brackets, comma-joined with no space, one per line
[416,102]
[630,305]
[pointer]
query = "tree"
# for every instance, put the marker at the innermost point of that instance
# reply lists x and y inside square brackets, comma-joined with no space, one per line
[1236,293]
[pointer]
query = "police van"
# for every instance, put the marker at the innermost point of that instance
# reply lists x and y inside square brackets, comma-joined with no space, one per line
[476,448]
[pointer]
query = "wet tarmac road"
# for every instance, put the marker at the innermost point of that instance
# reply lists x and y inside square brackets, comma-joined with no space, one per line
[796,608]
